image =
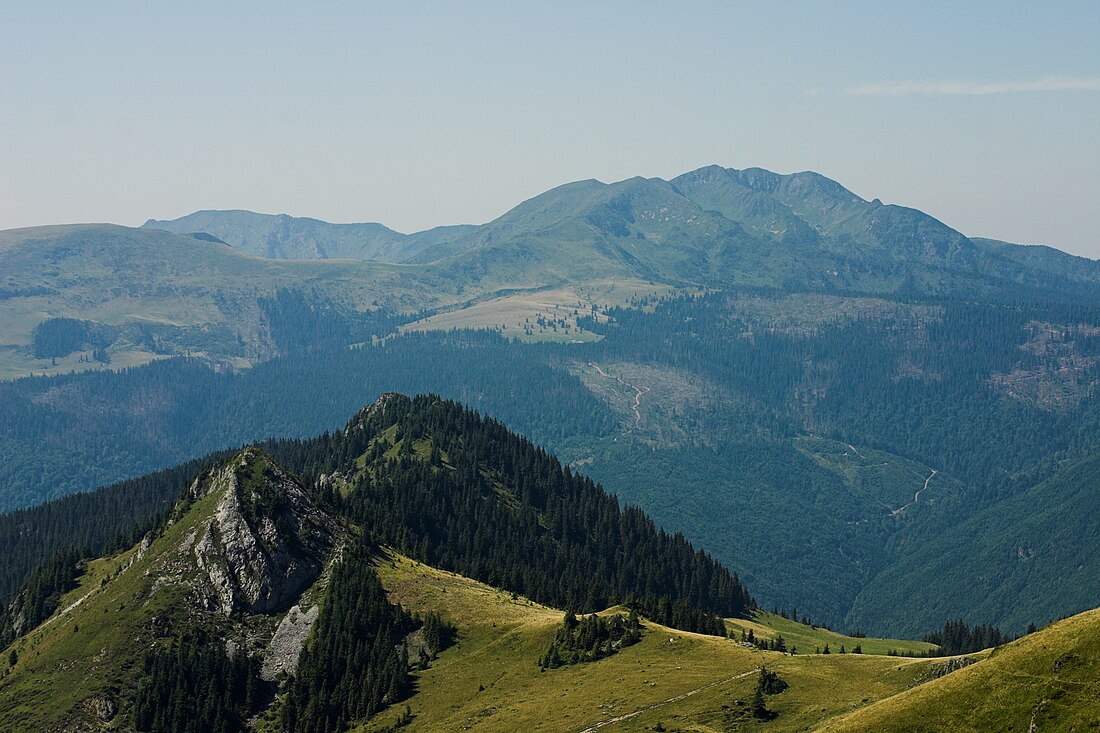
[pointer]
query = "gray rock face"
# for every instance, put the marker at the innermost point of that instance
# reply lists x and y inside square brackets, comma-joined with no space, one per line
[105,708]
[283,652]
[267,540]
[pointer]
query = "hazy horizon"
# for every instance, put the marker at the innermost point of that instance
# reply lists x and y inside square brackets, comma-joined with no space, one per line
[421,116]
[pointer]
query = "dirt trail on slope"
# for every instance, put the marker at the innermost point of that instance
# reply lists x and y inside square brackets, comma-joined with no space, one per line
[678,698]
[65,611]
[638,392]
[916,496]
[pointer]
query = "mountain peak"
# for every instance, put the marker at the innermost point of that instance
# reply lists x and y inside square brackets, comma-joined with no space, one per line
[264,540]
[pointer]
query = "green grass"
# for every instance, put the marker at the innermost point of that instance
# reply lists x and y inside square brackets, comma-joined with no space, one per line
[116,275]
[516,316]
[490,680]
[1046,681]
[808,638]
[92,650]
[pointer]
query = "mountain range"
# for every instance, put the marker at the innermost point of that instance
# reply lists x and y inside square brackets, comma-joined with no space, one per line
[879,423]
[712,226]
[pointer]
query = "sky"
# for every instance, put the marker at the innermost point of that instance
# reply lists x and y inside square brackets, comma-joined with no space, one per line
[415,114]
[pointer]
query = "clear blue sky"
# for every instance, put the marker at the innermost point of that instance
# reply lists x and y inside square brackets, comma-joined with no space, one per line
[986,115]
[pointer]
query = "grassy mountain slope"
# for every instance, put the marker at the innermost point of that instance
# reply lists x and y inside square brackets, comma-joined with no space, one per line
[283,237]
[809,639]
[167,294]
[66,678]
[1046,681]
[808,209]
[489,680]
[77,671]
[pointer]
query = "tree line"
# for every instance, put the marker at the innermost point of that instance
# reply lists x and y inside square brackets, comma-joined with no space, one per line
[488,504]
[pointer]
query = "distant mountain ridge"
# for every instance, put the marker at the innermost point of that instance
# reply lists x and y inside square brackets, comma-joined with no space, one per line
[283,237]
[717,228]
[706,226]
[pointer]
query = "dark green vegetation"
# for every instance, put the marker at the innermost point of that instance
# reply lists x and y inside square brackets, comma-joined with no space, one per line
[590,638]
[958,638]
[59,337]
[460,492]
[1000,399]
[819,444]
[194,686]
[356,662]
[74,432]
[768,683]
[39,595]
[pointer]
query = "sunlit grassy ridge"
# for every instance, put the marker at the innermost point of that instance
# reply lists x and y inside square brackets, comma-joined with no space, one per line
[93,646]
[809,639]
[1046,681]
[490,681]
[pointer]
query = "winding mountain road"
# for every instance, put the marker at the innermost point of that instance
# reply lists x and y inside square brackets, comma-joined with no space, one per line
[638,392]
[916,496]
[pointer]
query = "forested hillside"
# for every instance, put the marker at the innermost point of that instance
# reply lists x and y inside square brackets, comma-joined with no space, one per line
[117,425]
[869,429]
[194,627]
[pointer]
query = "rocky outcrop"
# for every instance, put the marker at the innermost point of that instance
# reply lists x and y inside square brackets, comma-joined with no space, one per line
[285,648]
[266,541]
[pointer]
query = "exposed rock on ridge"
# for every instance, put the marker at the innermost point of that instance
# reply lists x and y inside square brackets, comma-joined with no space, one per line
[285,649]
[266,541]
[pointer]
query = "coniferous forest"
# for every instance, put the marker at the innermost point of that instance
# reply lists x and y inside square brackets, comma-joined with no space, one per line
[194,685]
[956,637]
[996,397]
[357,662]
[590,638]
[496,508]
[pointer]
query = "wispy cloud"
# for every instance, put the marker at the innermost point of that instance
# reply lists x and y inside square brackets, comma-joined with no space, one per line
[978,88]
